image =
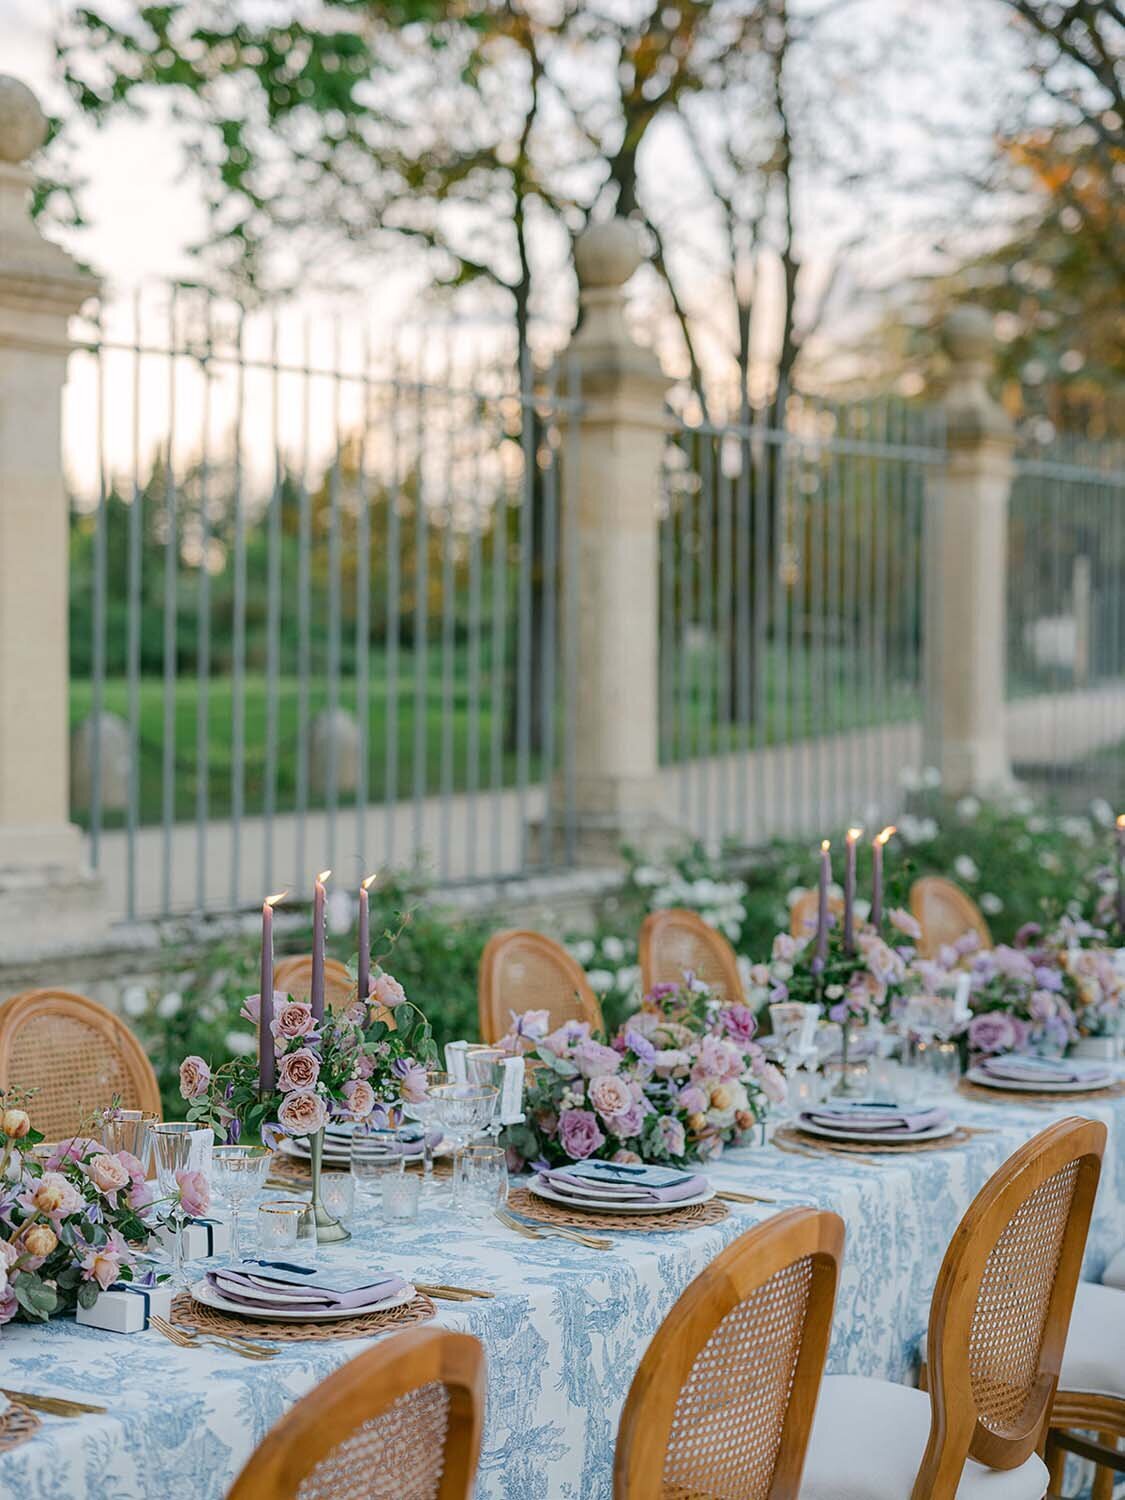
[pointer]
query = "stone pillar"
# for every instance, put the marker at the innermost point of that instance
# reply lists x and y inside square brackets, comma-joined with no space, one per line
[966,560]
[619,452]
[41,853]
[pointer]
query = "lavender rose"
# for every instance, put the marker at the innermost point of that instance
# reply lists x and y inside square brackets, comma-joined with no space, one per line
[739,1023]
[360,1097]
[412,1079]
[579,1135]
[195,1077]
[298,1070]
[994,1032]
[292,1020]
[302,1113]
[593,1059]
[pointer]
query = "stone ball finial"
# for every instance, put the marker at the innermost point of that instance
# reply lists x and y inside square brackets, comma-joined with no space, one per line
[967,334]
[607,254]
[23,125]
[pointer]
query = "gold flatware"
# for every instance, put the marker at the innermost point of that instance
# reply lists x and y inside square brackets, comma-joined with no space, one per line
[730,1196]
[551,1231]
[52,1406]
[444,1289]
[185,1340]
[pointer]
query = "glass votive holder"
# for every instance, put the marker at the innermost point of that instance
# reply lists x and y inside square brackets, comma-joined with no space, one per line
[372,1163]
[279,1223]
[337,1193]
[400,1196]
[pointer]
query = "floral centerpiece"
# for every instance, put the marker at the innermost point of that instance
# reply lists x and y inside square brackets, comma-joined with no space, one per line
[72,1220]
[1020,1000]
[682,1079]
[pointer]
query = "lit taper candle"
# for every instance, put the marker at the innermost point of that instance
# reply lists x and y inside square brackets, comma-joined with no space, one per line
[878,843]
[822,906]
[363,979]
[849,889]
[266,1061]
[316,996]
[1121,872]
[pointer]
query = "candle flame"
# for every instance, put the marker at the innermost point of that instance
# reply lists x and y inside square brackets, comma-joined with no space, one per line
[824,846]
[370,881]
[853,834]
[323,876]
[1121,821]
[881,838]
[274,899]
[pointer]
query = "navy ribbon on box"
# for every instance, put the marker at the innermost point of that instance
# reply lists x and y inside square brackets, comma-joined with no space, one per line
[210,1226]
[137,1291]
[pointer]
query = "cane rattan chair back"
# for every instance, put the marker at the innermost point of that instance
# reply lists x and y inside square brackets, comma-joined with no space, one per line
[77,1055]
[805,912]
[1002,1304]
[722,1403]
[523,970]
[401,1422]
[294,977]
[945,913]
[678,941]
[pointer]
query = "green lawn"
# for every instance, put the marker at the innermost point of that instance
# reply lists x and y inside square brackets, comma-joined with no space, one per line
[794,710]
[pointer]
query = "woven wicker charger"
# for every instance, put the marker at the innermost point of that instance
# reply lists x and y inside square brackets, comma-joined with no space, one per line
[299,1172]
[833,1147]
[187,1313]
[17,1424]
[526,1203]
[1038,1096]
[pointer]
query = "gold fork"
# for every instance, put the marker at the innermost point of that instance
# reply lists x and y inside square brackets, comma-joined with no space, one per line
[185,1340]
[551,1231]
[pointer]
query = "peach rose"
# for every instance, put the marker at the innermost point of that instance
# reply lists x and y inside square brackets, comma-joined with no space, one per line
[302,1113]
[298,1070]
[15,1123]
[291,1020]
[360,1097]
[108,1174]
[52,1194]
[102,1264]
[386,990]
[40,1240]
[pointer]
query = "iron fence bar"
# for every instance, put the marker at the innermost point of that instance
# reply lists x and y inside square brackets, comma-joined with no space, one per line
[448,604]
[98,645]
[780,602]
[304,606]
[528,423]
[812,532]
[394,571]
[203,617]
[171,545]
[133,648]
[238,683]
[743,646]
[421,655]
[273,614]
[763,680]
[363,612]
[570,499]
[550,609]
[724,661]
[706,670]
[335,623]
[690,505]
[666,558]
[478,428]
[497,665]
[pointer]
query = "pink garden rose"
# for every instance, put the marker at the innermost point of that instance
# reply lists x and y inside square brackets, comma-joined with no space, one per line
[360,1097]
[102,1264]
[771,1082]
[671,1134]
[8,1305]
[563,1040]
[53,1195]
[692,1100]
[386,990]
[302,1113]
[194,1193]
[902,921]
[996,1032]
[579,1135]
[73,1149]
[739,1024]
[593,1059]
[292,1020]
[626,1158]
[628,1123]
[140,1192]
[252,1005]
[298,1070]
[610,1095]
[109,1174]
[195,1077]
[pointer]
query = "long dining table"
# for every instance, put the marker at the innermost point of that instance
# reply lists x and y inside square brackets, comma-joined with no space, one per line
[563,1334]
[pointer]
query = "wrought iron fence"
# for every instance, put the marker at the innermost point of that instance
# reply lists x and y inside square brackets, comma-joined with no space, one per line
[315,602]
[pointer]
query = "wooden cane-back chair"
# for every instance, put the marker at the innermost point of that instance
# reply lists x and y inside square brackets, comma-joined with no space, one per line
[805,912]
[522,970]
[723,1401]
[77,1055]
[945,913]
[294,977]
[678,941]
[400,1422]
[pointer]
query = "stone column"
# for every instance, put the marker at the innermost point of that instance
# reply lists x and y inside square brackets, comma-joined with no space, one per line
[618,452]
[41,853]
[966,562]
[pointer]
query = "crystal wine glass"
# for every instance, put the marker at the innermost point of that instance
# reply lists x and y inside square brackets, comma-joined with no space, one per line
[171,1149]
[464,1110]
[239,1173]
[425,1112]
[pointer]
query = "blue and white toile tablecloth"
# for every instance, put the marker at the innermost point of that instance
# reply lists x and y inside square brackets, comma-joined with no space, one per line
[563,1336]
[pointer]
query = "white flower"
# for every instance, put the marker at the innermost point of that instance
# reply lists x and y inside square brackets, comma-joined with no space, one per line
[967,809]
[169,1005]
[583,950]
[134,1000]
[648,875]
[613,949]
[782,970]
[793,896]
[862,909]
[1102,813]
[834,992]
[1037,824]
[339,911]
[241,1043]
[627,978]
[910,779]
[1077,828]
[990,904]
[1021,806]
[931,777]
[965,868]
[600,980]
[1049,862]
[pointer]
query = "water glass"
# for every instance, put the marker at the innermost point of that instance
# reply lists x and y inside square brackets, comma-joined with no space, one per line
[337,1193]
[400,1197]
[174,1148]
[424,1111]
[481,1174]
[463,1111]
[279,1223]
[373,1159]
[129,1130]
[239,1172]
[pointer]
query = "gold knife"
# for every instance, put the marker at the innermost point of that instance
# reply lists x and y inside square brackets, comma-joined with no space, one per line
[53,1406]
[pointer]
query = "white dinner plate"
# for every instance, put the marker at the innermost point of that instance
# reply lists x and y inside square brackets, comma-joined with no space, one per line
[880,1137]
[1029,1086]
[336,1155]
[205,1293]
[602,1205]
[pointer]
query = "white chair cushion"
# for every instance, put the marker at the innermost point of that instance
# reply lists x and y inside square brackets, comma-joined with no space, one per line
[1114,1273]
[868,1439]
[1095,1346]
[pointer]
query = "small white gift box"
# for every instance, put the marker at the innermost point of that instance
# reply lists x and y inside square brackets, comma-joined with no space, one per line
[202,1237]
[126,1308]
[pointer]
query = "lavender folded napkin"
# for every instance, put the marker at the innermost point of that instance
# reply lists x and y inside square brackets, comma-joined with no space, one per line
[284,1286]
[1022,1069]
[619,1182]
[868,1117]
